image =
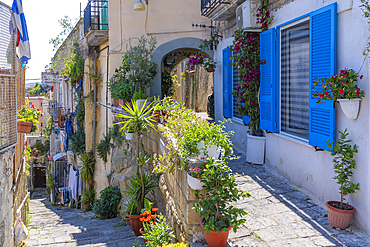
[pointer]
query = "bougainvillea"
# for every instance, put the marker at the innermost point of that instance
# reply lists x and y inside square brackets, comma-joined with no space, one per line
[247,57]
[264,16]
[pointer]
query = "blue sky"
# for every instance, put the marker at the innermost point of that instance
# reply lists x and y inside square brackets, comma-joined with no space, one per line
[42,22]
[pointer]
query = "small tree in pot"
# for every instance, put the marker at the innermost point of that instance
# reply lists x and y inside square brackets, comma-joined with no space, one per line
[217,214]
[340,213]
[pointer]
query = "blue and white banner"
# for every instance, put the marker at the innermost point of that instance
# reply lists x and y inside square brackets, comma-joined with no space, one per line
[24,51]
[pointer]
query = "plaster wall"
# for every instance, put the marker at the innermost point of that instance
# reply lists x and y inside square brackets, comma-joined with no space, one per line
[293,158]
[6,199]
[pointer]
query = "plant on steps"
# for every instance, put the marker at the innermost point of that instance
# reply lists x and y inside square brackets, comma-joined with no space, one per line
[88,197]
[87,171]
[158,232]
[108,202]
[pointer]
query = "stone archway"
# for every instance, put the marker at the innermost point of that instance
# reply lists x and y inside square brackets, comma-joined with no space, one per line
[164,49]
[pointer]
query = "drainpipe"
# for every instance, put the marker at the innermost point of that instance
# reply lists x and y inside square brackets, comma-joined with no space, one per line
[94,104]
[192,98]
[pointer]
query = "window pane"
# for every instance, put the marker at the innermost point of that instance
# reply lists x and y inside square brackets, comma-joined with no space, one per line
[295,80]
[236,84]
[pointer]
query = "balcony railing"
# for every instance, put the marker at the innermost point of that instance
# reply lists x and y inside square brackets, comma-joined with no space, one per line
[208,5]
[96,16]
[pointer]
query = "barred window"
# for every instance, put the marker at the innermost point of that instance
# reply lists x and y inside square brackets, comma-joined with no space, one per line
[8,104]
[236,84]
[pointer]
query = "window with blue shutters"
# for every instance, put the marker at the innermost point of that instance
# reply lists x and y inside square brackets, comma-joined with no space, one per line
[293,55]
[226,83]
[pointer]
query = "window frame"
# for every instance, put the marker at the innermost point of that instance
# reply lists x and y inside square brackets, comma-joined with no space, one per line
[280,28]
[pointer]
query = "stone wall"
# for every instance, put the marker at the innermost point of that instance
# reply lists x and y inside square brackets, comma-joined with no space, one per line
[6,198]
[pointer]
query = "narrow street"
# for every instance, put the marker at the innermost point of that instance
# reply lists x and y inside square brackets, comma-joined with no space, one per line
[51,226]
[278,215]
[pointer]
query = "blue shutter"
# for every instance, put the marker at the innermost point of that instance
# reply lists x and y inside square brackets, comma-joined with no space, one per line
[226,83]
[267,81]
[323,39]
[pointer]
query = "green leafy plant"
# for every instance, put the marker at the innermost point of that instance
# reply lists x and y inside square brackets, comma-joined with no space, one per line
[138,95]
[341,86]
[103,147]
[87,170]
[344,162]
[247,57]
[29,115]
[131,206]
[119,85]
[195,172]
[182,244]
[158,233]
[77,141]
[88,196]
[263,16]
[216,204]
[74,68]
[108,202]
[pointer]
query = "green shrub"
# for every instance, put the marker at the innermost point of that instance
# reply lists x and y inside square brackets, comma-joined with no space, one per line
[108,202]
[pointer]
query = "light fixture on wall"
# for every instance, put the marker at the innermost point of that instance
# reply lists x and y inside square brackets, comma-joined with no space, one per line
[139,6]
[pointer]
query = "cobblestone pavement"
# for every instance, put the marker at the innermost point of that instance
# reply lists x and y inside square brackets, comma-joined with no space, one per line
[280,215]
[71,227]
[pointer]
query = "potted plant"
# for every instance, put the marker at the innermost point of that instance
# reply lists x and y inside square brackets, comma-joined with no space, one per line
[139,96]
[87,170]
[157,231]
[28,119]
[88,198]
[129,133]
[218,215]
[130,205]
[148,218]
[106,205]
[246,57]
[341,88]
[209,64]
[340,213]
[194,178]
[201,59]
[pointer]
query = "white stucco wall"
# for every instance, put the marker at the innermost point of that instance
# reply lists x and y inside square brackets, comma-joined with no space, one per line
[293,158]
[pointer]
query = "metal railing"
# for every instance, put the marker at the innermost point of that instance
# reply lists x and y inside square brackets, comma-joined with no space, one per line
[96,16]
[208,5]
[8,87]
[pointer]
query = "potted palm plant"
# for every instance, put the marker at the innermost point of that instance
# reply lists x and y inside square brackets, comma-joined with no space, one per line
[218,215]
[88,198]
[340,213]
[87,170]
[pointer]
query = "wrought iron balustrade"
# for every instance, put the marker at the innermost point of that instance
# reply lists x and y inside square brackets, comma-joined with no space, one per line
[208,5]
[96,16]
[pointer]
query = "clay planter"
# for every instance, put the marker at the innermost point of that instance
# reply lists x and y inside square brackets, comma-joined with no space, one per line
[25,127]
[103,216]
[87,207]
[338,217]
[156,116]
[128,220]
[136,224]
[210,69]
[142,232]
[215,240]
[194,183]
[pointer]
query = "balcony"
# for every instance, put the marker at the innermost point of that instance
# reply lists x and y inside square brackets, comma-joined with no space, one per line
[220,10]
[96,22]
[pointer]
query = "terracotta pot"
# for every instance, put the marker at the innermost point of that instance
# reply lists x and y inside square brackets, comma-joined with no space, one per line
[103,217]
[142,232]
[87,207]
[128,220]
[25,127]
[338,217]
[215,240]
[136,224]
[210,69]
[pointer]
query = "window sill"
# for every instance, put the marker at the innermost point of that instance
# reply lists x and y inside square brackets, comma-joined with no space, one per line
[238,121]
[303,143]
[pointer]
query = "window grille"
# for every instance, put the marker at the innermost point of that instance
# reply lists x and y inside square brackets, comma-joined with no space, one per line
[236,84]
[8,103]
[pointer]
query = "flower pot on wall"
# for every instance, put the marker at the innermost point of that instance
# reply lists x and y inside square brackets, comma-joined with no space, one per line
[129,135]
[210,69]
[194,183]
[338,217]
[25,127]
[213,238]
[128,220]
[211,150]
[350,107]
[142,232]
[256,149]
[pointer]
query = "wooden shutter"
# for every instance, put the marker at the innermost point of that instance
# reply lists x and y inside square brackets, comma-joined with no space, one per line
[226,83]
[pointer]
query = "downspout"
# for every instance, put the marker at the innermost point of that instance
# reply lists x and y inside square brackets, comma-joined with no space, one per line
[94,105]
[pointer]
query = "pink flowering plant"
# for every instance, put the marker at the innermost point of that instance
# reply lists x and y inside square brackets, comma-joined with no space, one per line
[247,57]
[195,172]
[341,86]
[264,17]
[201,59]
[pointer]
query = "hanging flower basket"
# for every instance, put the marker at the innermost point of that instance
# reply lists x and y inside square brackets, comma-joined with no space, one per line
[210,69]
[129,135]
[25,127]
[195,183]
[350,107]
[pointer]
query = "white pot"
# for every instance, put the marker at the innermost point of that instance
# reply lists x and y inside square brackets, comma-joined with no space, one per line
[211,150]
[194,183]
[350,107]
[256,149]
[129,135]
